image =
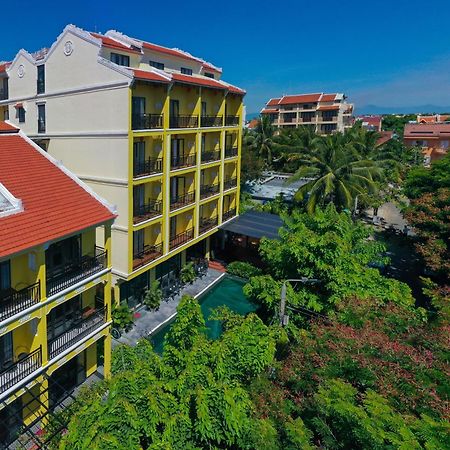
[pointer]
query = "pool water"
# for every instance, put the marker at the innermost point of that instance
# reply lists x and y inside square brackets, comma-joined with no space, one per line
[227,292]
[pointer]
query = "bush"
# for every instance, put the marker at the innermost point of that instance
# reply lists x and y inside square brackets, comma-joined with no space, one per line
[243,269]
[153,296]
[187,273]
[122,316]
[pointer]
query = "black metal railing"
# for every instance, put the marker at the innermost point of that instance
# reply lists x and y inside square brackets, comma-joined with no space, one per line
[151,209]
[146,121]
[231,121]
[207,190]
[231,152]
[176,162]
[81,327]
[181,238]
[207,224]
[182,200]
[3,94]
[211,121]
[148,167]
[210,156]
[68,274]
[20,368]
[147,254]
[183,121]
[228,214]
[13,302]
[230,183]
[40,86]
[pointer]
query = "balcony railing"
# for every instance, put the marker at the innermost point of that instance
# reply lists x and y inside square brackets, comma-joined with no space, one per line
[81,327]
[3,94]
[181,238]
[146,121]
[177,162]
[148,253]
[230,183]
[207,224]
[228,214]
[68,274]
[210,156]
[211,121]
[231,152]
[148,167]
[20,368]
[183,121]
[231,121]
[147,211]
[13,302]
[207,190]
[182,200]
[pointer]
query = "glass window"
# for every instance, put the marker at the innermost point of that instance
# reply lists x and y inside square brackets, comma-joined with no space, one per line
[157,65]
[5,275]
[21,114]
[209,75]
[186,71]
[121,60]
[41,79]
[41,119]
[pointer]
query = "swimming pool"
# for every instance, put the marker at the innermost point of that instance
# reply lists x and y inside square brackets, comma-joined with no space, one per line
[227,292]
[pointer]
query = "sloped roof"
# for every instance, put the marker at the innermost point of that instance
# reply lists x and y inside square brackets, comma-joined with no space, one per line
[427,130]
[55,203]
[150,76]
[301,98]
[113,44]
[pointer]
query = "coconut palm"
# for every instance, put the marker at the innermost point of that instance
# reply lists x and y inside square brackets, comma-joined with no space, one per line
[337,172]
[264,138]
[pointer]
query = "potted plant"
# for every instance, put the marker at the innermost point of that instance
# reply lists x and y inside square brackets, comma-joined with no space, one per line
[153,296]
[122,317]
[187,273]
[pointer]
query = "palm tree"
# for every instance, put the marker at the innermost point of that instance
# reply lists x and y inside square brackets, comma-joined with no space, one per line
[264,138]
[337,173]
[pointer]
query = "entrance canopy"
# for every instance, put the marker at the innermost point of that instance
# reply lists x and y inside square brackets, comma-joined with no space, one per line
[255,224]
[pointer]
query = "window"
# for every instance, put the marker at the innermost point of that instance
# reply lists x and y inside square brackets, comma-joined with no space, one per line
[186,71]
[41,79]
[41,119]
[4,89]
[157,65]
[121,60]
[209,75]
[5,275]
[21,114]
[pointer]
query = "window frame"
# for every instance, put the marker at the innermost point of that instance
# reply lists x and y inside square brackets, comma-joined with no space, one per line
[186,71]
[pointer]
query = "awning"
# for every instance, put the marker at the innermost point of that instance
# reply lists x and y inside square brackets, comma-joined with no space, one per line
[255,224]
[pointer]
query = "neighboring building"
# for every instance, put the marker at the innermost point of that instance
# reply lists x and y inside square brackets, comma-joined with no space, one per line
[272,186]
[55,284]
[436,118]
[371,123]
[434,138]
[385,136]
[151,129]
[252,124]
[325,113]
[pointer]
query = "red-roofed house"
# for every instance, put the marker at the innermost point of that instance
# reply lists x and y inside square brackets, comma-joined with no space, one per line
[55,283]
[326,113]
[370,123]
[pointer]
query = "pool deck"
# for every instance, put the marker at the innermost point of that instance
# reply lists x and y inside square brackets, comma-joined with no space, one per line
[150,321]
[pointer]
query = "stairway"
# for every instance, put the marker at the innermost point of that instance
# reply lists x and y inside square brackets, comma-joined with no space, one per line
[216,265]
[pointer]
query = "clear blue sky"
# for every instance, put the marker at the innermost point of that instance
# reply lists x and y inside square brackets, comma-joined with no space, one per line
[383,52]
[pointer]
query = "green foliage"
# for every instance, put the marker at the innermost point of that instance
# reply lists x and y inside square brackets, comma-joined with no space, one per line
[153,296]
[396,123]
[187,273]
[243,269]
[122,316]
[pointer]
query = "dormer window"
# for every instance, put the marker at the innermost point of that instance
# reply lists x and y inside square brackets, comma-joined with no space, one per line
[186,71]
[157,65]
[120,60]
[209,74]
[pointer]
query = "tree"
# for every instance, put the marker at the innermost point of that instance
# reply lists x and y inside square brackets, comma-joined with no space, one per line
[252,164]
[264,139]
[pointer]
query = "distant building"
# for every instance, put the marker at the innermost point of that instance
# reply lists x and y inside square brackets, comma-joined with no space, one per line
[435,118]
[252,124]
[385,136]
[434,138]
[370,123]
[326,113]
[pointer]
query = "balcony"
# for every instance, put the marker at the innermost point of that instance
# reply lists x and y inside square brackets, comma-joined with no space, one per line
[183,121]
[231,121]
[178,162]
[210,156]
[149,253]
[147,211]
[146,121]
[182,200]
[82,326]
[207,224]
[208,190]
[66,275]
[13,302]
[148,167]
[231,152]
[230,183]
[228,214]
[211,121]
[19,369]
[181,238]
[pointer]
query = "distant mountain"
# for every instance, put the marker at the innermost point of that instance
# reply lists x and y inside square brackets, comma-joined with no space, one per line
[375,109]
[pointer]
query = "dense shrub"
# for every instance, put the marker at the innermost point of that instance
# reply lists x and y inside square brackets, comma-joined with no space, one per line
[243,269]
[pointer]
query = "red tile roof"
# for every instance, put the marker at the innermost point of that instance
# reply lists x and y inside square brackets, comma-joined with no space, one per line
[374,121]
[328,97]
[328,108]
[55,205]
[207,82]
[385,136]
[302,98]
[426,130]
[4,66]
[150,76]
[112,43]
[236,90]
[253,124]
[273,101]
[169,51]
[211,68]
[8,128]
[269,111]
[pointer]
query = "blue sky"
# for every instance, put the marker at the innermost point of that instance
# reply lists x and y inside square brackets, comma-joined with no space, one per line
[382,52]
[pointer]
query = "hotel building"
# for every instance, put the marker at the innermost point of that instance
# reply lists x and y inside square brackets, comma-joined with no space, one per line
[325,113]
[55,285]
[154,130]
